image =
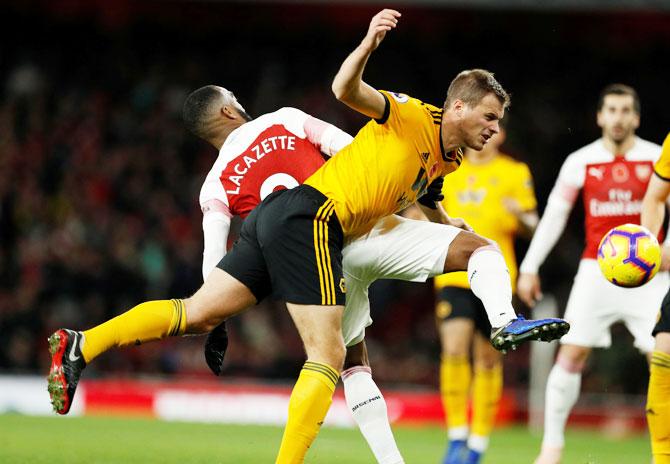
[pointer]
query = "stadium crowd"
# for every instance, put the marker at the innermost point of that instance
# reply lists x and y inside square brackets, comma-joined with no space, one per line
[99,181]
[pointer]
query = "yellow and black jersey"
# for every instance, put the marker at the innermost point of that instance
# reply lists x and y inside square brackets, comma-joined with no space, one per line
[388,165]
[476,193]
[662,166]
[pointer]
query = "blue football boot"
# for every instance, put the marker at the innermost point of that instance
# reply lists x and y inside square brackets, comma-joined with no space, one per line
[521,330]
[456,452]
[473,457]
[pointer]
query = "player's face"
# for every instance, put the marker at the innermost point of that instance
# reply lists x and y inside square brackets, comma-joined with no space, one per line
[617,118]
[481,122]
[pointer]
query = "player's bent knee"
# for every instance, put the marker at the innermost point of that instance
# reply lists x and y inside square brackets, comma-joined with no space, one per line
[455,351]
[489,361]
[461,249]
[663,342]
[333,356]
[326,350]
[357,355]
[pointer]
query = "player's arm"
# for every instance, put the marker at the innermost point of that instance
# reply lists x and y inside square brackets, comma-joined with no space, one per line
[348,85]
[653,204]
[328,138]
[653,212]
[215,227]
[431,206]
[549,230]
[440,216]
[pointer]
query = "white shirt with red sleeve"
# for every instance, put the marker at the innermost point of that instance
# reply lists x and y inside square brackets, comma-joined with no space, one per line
[275,151]
[612,190]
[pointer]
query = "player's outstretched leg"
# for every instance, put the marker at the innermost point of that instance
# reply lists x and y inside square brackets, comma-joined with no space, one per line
[321,332]
[67,362]
[368,406]
[489,281]
[71,351]
[521,330]
[220,297]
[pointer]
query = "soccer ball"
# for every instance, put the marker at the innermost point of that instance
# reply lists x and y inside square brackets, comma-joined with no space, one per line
[629,255]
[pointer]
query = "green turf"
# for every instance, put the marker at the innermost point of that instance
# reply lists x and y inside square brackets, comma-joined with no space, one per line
[56,440]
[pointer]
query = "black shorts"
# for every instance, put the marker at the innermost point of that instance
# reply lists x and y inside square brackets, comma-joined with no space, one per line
[291,245]
[663,324]
[454,302]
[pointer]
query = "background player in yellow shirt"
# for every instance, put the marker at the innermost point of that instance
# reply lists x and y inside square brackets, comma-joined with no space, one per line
[658,396]
[494,194]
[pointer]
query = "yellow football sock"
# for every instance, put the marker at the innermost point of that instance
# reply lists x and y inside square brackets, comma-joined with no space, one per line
[153,320]
[658,407]
[455,374]
[486,393]
[310,401]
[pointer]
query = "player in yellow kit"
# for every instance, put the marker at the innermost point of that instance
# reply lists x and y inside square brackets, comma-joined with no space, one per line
[494,194]
[291,244]
[658,396]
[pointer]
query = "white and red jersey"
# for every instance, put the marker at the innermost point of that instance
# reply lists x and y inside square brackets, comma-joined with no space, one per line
[278,150]
[266,154]
[612,186]
[612,190]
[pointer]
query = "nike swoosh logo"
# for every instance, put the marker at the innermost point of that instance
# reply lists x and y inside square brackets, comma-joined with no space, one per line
[72,355]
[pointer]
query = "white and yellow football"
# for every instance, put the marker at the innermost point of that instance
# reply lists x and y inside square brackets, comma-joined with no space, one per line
[629,255]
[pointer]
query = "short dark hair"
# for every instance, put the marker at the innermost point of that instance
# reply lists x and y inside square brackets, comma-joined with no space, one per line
[472,85]
[198,106]
[619,89]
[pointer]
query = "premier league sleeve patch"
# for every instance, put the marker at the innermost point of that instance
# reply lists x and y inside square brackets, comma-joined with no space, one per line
[399,97]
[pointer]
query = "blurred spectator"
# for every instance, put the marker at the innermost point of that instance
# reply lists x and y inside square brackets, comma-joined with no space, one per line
[99,181]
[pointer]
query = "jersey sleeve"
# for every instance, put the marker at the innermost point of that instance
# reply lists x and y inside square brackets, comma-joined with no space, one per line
[401,110]
[326,137]
[570,181]
[216,217]
[524,193]
[662,166]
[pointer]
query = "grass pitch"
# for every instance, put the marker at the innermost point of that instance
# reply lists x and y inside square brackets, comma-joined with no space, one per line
[56,440]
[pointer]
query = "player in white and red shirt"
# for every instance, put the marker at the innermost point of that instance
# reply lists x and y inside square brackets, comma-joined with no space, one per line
[612,173]
[280,150]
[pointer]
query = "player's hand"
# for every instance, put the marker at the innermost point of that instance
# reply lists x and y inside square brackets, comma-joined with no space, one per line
[528,289]
[665,258]
[381,23]
[460,223]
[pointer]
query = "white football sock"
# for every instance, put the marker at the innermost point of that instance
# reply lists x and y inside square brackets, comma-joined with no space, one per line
[368,408]
[458,433]
[478,443]
[561,395]
[489,281]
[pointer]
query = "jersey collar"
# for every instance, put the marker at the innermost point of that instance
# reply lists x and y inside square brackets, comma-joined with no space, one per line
[444,155]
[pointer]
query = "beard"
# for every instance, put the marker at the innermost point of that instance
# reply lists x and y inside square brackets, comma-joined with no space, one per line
[619,136]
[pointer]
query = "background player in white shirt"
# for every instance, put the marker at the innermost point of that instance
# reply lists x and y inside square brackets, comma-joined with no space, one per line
[280,150]
[612,173]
